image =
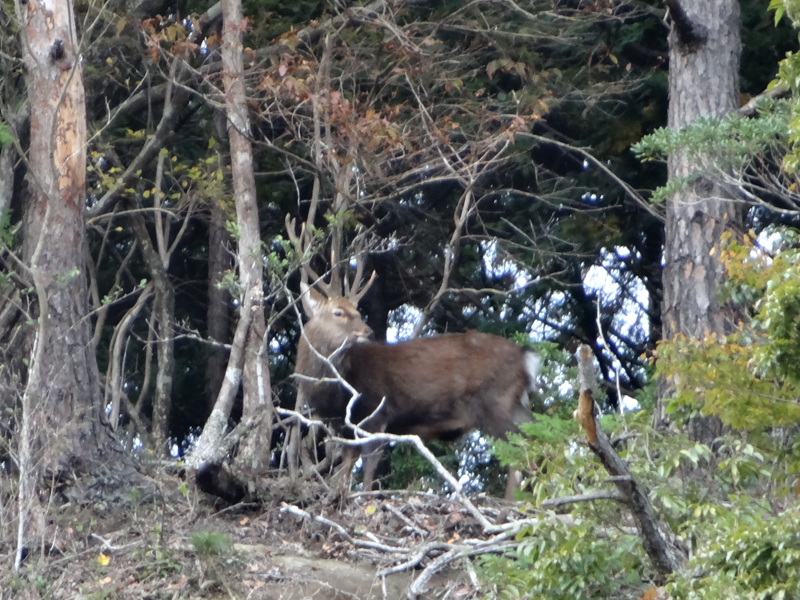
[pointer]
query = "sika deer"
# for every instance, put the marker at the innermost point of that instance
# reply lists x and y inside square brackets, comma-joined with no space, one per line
[437,388]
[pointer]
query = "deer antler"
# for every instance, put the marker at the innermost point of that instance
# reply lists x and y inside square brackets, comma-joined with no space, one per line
[359,288]
[302,244]
[338,284]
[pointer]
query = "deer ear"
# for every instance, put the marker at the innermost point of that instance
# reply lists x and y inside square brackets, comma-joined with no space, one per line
[312,300]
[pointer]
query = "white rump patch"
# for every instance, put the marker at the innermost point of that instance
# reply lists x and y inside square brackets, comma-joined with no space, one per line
[532,364]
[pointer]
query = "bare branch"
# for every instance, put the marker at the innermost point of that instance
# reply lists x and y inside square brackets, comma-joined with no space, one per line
[751,108]
[629,191]
[663,555]
[342,531]
[174,104]
[116,367]
[588,497]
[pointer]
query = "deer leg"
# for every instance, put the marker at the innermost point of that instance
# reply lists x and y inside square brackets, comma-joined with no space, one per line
[370,457]
[341,474]
[521,414]
[514,479]
[292,442]
[292,451]
[308,454]
[349,457]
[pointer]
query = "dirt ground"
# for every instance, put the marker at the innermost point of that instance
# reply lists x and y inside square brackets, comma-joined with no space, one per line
[328,548]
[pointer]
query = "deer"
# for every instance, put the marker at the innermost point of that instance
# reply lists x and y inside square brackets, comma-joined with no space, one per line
[440,387]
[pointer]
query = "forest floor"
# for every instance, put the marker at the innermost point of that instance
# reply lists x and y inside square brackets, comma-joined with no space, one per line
[329,547]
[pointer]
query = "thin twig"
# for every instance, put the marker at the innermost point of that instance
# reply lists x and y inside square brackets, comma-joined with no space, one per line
[342,531]
[108,547]
[396,512]
[588,497]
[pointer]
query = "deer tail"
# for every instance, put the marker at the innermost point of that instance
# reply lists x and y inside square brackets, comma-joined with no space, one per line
[532,363]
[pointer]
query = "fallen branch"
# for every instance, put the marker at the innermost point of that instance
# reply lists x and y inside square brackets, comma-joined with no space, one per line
[416,441]
[456,553]
[507,530]
[415,560]
[342,531]
[109,547]
[409,523]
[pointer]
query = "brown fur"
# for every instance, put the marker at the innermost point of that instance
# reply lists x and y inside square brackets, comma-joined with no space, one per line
[436,388]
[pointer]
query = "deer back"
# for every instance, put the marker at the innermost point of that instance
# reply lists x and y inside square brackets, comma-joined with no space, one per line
[442,387]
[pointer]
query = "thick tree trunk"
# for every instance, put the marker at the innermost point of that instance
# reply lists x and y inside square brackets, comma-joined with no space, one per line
[63,381]
[704,82]
[62,411]
[162,402]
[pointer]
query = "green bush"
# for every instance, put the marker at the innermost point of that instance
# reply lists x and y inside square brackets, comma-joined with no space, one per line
[210,544]
[747,555]
[566,562]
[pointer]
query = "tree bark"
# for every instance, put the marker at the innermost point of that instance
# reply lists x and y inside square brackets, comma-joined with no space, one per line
[219,303]
[164,316]
[63,379]
[257,395]
[248,347]
[63,414]
[704,82]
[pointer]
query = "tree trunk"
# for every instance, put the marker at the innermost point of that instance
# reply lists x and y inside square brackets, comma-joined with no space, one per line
[164,315]
[248,346]
[704,82]
[62,410]
[218,302]
[257,394]
[63,381]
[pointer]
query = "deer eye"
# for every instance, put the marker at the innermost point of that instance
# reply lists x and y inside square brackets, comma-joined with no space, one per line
[338,312]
